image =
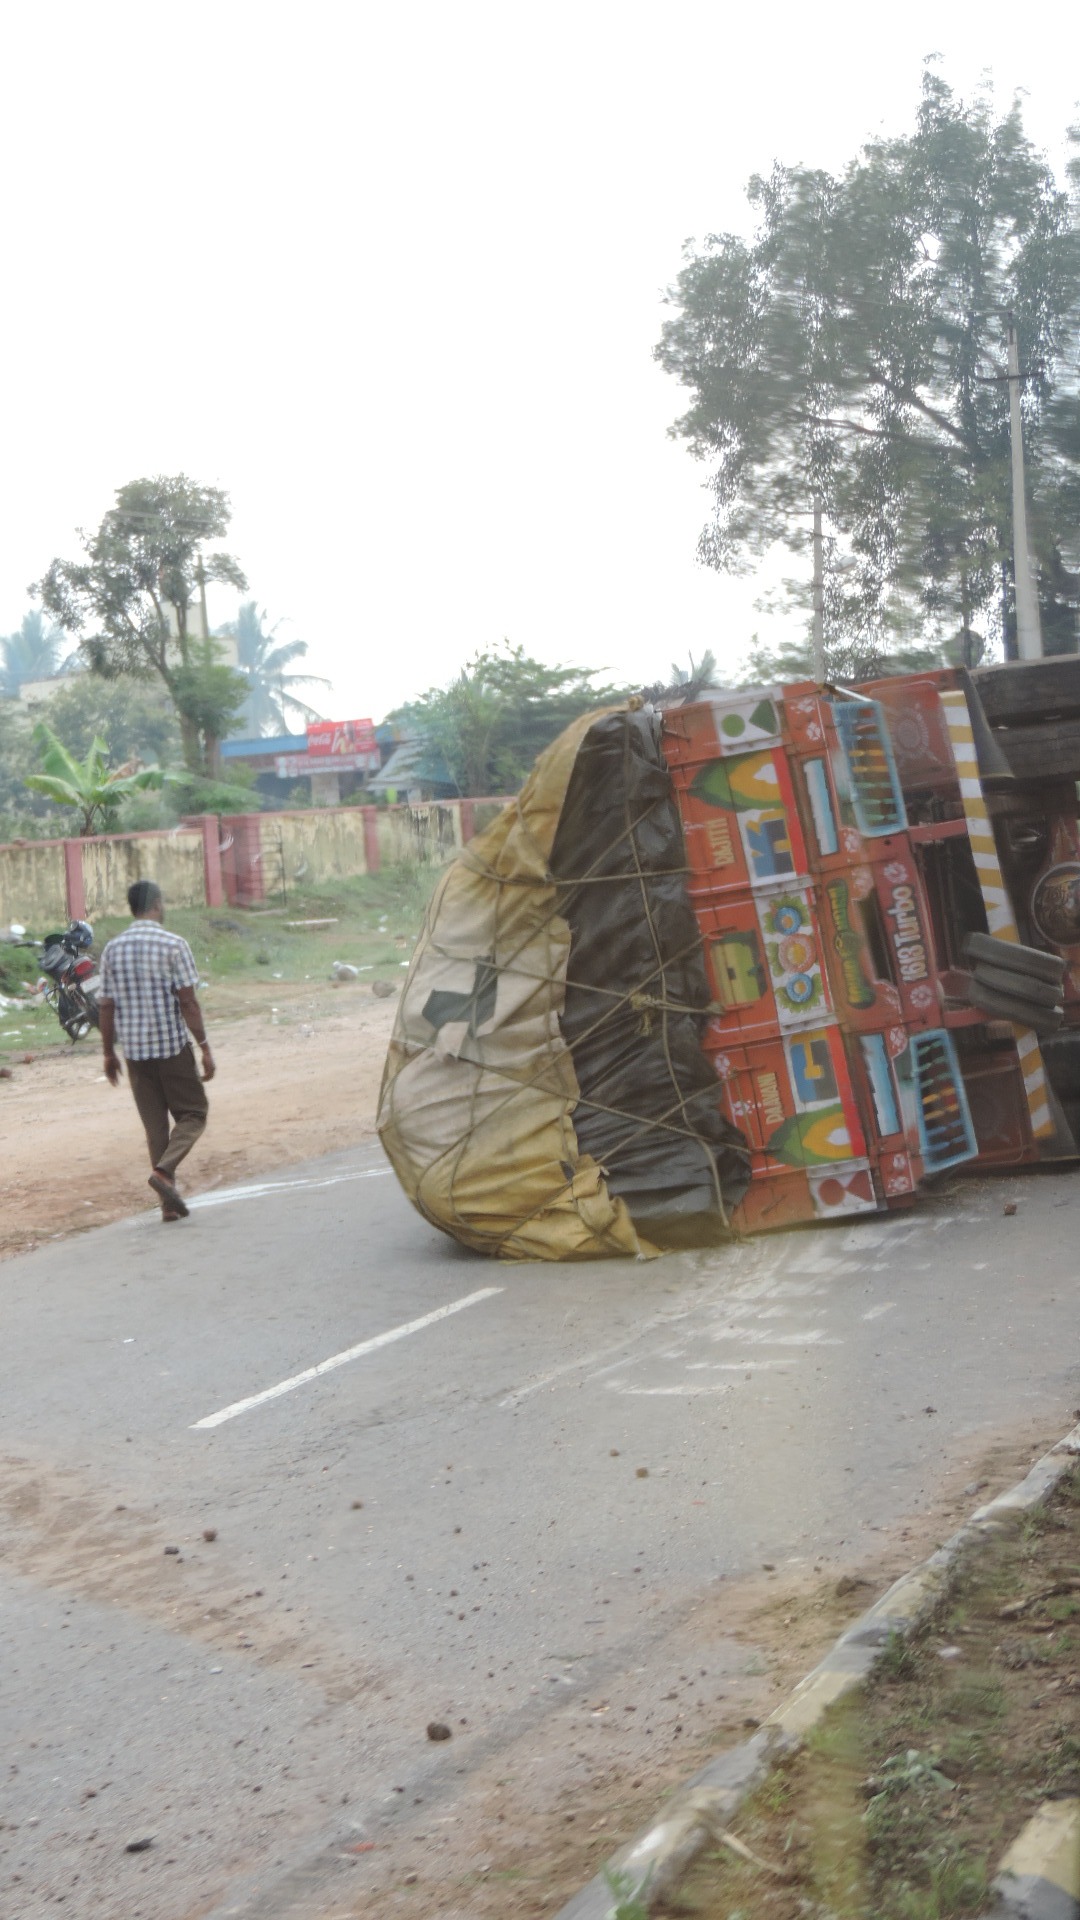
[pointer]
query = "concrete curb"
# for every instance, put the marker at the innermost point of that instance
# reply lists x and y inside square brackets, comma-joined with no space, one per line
[1039,1878]
[655,1861]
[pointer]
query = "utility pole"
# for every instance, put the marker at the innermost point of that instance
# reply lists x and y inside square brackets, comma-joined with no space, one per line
[1028,630]
[819,597]
[201,577]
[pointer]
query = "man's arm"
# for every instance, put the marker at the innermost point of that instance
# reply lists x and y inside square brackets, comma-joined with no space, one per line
[107,1024]
[192,1012]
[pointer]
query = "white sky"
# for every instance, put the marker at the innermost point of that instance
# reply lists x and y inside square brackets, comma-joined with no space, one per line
[391,275]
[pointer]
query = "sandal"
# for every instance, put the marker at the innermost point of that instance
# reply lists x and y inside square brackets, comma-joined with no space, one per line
[165,1191]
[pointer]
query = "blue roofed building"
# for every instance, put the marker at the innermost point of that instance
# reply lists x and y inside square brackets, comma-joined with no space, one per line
[397,766]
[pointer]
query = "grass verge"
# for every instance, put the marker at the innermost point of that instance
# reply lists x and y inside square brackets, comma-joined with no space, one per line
[905,1797]
[248,958]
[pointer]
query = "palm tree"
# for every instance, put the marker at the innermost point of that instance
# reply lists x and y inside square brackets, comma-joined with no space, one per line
[87,785]
[34,653]
[264,663]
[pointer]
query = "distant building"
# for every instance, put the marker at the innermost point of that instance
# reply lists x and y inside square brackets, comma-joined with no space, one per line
[413,770]
[337,765]
[38,693]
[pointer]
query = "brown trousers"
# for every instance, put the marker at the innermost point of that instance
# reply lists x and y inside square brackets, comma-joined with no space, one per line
[169,1087]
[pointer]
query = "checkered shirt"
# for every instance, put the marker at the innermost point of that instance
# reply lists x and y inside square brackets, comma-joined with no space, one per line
[141,970]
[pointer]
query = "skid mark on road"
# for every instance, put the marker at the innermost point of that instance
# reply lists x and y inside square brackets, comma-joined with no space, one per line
[682,1387]
[785,1278]
[780,1303]
[755,1337]
[342,1359]
[260,1188]
[739,1366]
[578,1365]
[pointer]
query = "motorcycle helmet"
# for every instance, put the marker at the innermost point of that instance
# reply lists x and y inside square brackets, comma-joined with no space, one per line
[80,935]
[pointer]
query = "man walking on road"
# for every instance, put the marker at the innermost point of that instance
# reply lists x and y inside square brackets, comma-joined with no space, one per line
[148,1004]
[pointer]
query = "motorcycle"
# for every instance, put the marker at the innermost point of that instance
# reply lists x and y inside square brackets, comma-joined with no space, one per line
[70,982]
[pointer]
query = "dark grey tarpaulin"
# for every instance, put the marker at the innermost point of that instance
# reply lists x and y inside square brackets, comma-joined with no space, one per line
[636,991]
[545,1093]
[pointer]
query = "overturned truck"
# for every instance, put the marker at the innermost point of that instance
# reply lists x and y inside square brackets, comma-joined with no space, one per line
[779,955]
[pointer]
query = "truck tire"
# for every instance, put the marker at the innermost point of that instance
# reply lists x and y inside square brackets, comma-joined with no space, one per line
[1031,961]
[1061,1057]
[1010,1006]
[1038,993]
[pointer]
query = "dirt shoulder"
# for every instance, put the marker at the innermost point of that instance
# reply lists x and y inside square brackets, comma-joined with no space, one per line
[296,1079]
[906,1796]
[533,1820]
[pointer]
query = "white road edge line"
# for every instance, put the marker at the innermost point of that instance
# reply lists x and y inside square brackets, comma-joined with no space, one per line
[256,1190]
[341,1359]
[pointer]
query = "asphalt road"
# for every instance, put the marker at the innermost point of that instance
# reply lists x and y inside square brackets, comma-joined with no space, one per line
[448,1525]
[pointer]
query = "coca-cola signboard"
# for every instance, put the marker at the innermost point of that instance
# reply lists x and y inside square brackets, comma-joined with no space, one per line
[341,736]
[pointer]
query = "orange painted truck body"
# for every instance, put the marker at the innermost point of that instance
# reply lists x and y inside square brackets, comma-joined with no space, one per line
[840,845]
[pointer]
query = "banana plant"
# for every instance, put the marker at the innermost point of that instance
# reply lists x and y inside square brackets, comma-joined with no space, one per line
[87,785]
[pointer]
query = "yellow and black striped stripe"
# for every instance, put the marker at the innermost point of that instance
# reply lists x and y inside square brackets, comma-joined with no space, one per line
[999,914]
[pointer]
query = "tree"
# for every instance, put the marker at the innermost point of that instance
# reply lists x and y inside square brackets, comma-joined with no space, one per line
[852,659]
[208,695]
[15,762]
[686,684]
[131,600]
[137,718]
[33,653]
[498,713]
[264,662]
[87,785]
[854,348]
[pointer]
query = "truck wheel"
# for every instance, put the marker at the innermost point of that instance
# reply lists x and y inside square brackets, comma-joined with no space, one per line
[1031,961]
[1061,1057]
[1010,1006]
[1038,993]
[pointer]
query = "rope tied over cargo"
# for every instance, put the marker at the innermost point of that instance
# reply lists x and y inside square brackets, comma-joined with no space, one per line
[577,1070]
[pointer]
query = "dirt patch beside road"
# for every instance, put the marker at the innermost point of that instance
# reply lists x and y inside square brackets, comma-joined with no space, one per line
[904,1798]
[297,1079]
[539,1814]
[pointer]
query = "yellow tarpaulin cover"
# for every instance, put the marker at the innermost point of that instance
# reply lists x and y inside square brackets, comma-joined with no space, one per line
[477,1101]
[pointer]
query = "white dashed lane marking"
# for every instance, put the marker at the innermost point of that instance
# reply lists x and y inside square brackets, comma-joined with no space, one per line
[342,1359]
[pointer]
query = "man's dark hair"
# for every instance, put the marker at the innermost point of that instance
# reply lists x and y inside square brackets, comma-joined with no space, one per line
[142,895]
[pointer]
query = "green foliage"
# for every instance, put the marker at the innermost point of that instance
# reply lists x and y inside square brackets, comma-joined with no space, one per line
[975,1699]
[207,695]
[16,760]
[956,1884]
[33,653]
[87,785]
[134,716]
[195,793]
[903,1771]
[14,967]
[686,683]
[629,1895]
[130,600]
[500,711]
[272,704]
[370,912]
[851,659]
[1063,1762]
[854,348]
[898,1658]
